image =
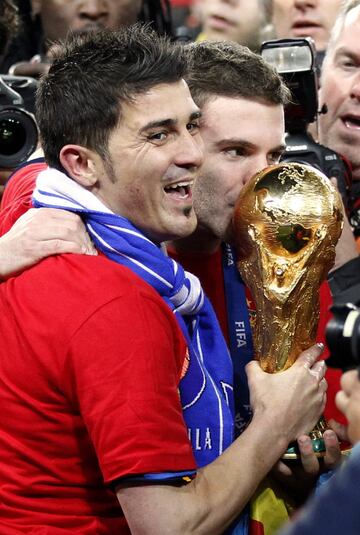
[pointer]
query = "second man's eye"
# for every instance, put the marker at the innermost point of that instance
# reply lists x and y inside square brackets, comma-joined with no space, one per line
[235,152]
[193,127]
[274,157]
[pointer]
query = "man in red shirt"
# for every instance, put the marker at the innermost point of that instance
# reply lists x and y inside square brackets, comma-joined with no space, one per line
[94,351]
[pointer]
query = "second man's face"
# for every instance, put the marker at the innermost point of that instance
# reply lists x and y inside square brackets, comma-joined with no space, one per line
[241,137]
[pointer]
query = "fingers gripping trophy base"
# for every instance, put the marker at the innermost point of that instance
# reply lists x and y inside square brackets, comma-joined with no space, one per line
[318,444]
[287,221]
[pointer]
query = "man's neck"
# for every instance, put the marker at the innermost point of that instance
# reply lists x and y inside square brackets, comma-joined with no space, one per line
[201,241]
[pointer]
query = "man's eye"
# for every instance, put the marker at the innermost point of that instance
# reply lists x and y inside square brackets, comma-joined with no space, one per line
[235,152]
[193,127]
[274,157]
[158,136]
[347,63]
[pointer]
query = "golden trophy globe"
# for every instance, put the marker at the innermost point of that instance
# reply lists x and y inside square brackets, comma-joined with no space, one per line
[287,221]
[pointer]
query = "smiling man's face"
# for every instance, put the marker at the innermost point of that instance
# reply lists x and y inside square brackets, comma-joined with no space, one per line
[340,91]
[153,158]
[235,148]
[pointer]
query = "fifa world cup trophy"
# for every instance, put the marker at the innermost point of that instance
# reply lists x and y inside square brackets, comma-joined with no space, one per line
[287,221]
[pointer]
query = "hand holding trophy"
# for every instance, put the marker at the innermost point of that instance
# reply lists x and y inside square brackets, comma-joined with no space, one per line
[287,221]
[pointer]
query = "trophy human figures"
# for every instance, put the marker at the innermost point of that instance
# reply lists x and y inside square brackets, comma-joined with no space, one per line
[287,221]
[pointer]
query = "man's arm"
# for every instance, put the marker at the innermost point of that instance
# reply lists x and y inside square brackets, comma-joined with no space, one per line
[40,233]
[285,405]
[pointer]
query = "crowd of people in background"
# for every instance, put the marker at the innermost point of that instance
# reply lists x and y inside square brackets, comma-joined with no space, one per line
[153,115]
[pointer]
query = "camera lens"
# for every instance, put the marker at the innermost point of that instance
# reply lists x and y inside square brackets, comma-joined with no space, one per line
[18,137]
[12,136]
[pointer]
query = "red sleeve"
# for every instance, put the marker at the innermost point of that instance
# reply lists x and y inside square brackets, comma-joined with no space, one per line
[17,195]
[126,361]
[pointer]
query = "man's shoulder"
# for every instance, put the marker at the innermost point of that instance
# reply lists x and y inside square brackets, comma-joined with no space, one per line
[65,290]
[85,282]
[95,274]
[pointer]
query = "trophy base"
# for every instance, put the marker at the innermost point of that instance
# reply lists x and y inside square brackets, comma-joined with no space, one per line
[293,453]
[318,444]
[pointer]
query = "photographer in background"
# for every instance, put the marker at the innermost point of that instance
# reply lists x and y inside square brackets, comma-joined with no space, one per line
[18,129]
[339,128]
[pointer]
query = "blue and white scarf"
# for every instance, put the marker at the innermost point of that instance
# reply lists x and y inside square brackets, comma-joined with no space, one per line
[206,389]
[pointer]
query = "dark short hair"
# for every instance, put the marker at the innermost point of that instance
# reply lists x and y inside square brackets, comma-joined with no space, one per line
[228,69]
[79,100]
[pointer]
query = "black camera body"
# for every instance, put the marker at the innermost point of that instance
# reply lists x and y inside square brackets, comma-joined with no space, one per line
[18,130]
[294,59]
[343,330]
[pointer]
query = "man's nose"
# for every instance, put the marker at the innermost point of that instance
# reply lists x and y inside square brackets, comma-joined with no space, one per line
[191,151]
[303,4]
[258,164]
[93,9]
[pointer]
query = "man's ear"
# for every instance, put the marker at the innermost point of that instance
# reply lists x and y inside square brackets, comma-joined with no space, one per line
[79,163]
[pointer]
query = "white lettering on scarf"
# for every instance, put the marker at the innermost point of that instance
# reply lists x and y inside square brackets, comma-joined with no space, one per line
[240,333]
[200,439]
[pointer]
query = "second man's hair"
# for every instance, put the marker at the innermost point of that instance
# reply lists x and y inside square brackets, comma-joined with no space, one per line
[231,70]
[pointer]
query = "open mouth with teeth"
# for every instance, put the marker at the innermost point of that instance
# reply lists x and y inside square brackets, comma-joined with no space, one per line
[350,121]
[181,191]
